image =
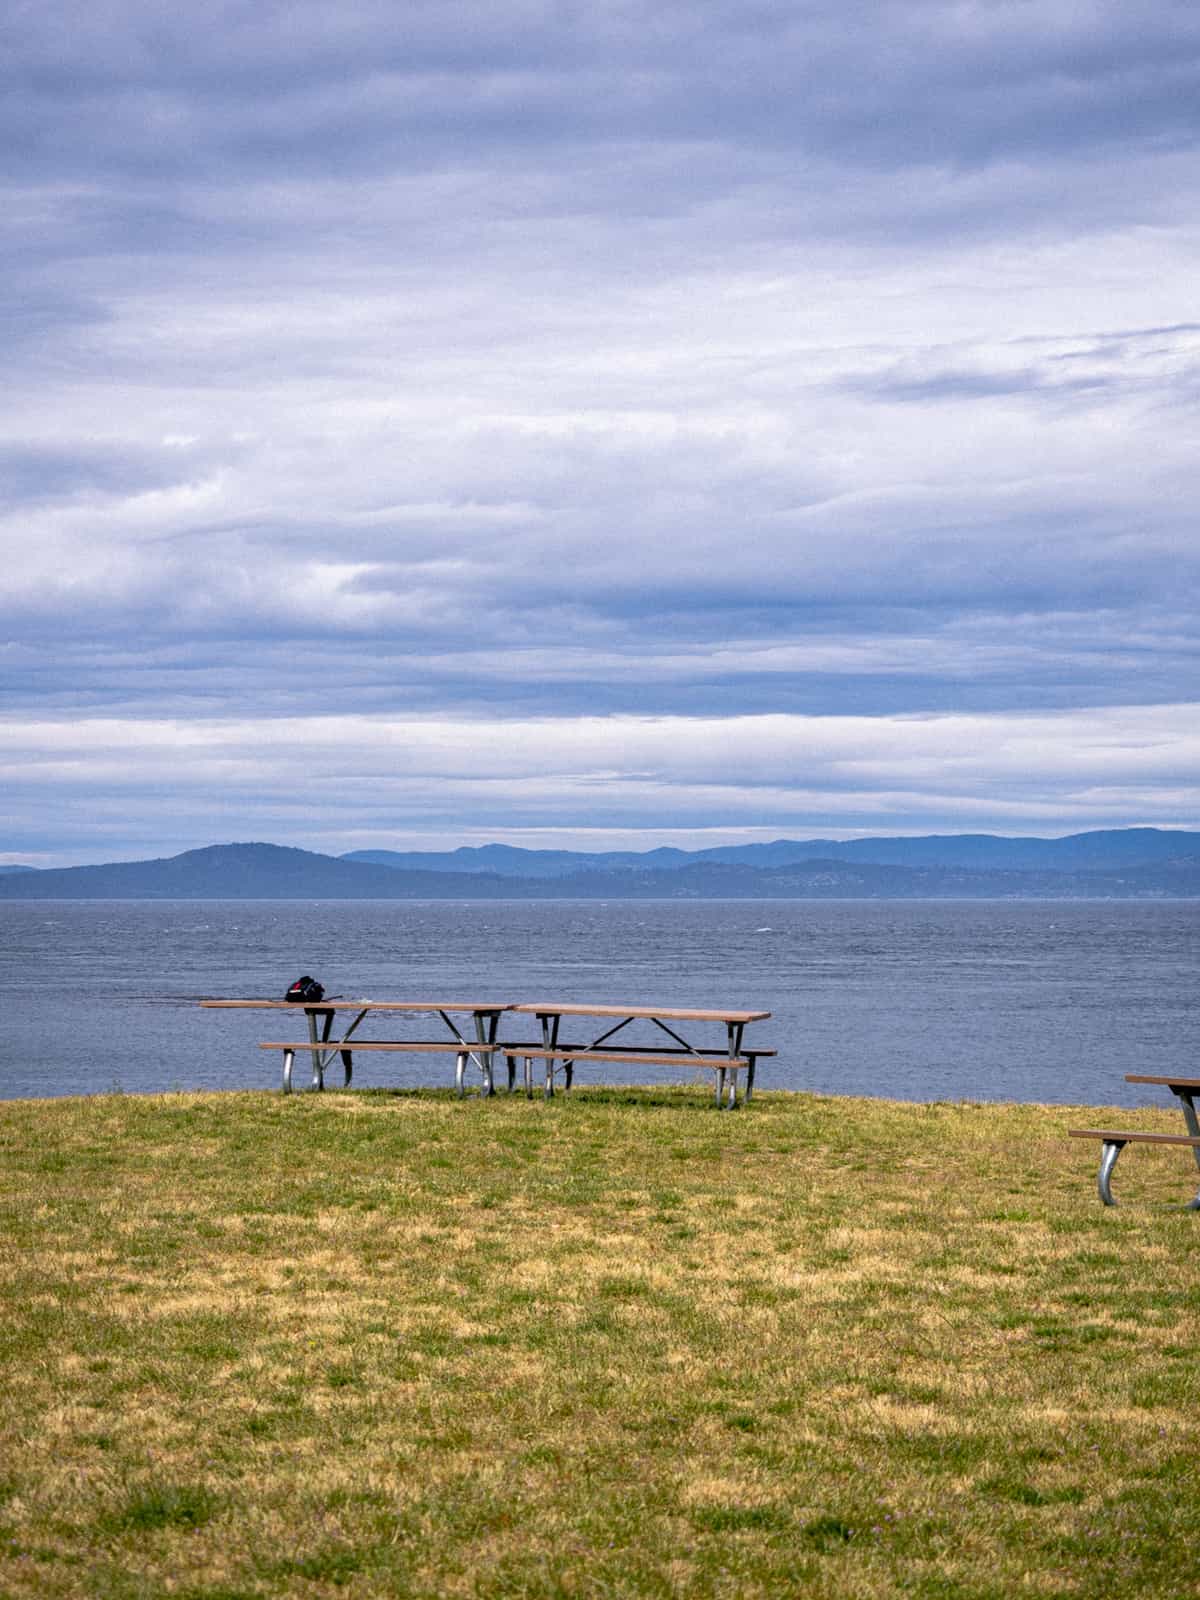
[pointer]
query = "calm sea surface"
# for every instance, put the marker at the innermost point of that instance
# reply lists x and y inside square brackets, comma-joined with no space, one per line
[930,1000]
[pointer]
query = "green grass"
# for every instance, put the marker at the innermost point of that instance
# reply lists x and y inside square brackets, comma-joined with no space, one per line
[378,1344]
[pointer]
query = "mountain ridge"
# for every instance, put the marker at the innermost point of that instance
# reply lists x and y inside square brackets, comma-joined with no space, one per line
[268,871]
[1099,848]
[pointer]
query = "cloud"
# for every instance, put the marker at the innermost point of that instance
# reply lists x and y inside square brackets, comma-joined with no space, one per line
[415,777]
[292,83]
[574,362]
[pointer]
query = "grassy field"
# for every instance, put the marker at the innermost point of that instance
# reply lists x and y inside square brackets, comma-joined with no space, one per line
[395,1344]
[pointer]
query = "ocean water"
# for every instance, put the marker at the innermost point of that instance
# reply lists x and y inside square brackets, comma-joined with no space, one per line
[928,1000]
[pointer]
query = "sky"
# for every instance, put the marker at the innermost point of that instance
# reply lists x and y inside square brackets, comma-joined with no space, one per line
[596,425]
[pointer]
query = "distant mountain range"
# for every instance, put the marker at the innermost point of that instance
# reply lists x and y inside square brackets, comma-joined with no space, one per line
[1130,863]
[985,852]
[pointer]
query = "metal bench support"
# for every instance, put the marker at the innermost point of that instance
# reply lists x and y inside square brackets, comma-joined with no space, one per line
[1110,1150]
[1186,1098]
[321,1051]
[1108,1159]
[320,1060]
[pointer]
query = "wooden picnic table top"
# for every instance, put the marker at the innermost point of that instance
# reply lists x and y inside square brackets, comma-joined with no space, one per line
[1168,1079]
[343,1004]
[675,1013]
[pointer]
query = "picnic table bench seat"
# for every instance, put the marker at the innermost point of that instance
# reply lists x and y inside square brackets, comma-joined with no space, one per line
[1114,1140]
[563,1057]
[464,1051]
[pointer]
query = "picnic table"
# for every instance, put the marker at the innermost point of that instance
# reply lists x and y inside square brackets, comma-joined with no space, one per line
[725,1062]
[324,1047]
[325,1042]
[1114,1140]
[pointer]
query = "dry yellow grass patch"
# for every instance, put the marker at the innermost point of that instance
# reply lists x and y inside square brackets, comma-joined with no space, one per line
[368,1345]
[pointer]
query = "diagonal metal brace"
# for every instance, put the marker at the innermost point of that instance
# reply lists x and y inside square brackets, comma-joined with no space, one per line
[678,1037]
[596,1043]
[324,1049]
[480,1050]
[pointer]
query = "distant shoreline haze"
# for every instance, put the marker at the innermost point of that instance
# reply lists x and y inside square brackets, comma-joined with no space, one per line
[1127,863]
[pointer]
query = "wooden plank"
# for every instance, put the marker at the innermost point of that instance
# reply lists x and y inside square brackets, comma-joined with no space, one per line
[669,1058]
[281,1005]
[417,1046]
[356,1005]
[1132,1137]
[531,1047]
[676,1013]
[670,1013]
[354,1044]
[1183,1083]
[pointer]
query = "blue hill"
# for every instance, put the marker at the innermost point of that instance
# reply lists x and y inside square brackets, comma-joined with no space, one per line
[1095,851]
[271,872]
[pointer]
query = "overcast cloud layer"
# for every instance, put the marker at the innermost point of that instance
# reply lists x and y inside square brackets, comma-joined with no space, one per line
[434,423]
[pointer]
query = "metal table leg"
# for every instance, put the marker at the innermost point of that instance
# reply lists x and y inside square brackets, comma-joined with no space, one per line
[733,1032]
[1108,1160]
[1187,1101]
[485,1032]
[550,1022]
[483,1049]
[318,1055]
[322,1050]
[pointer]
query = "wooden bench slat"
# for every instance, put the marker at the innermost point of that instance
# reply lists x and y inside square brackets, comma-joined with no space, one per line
[424,1046]
[664,1058]
[534,1047]
[1133,1136]
[1115,1140]
[1169,1081]
[355,1045]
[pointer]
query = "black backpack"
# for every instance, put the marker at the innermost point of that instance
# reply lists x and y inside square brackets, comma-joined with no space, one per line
[304,991]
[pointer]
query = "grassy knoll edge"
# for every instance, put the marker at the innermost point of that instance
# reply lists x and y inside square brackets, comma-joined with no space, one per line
[374,1343]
